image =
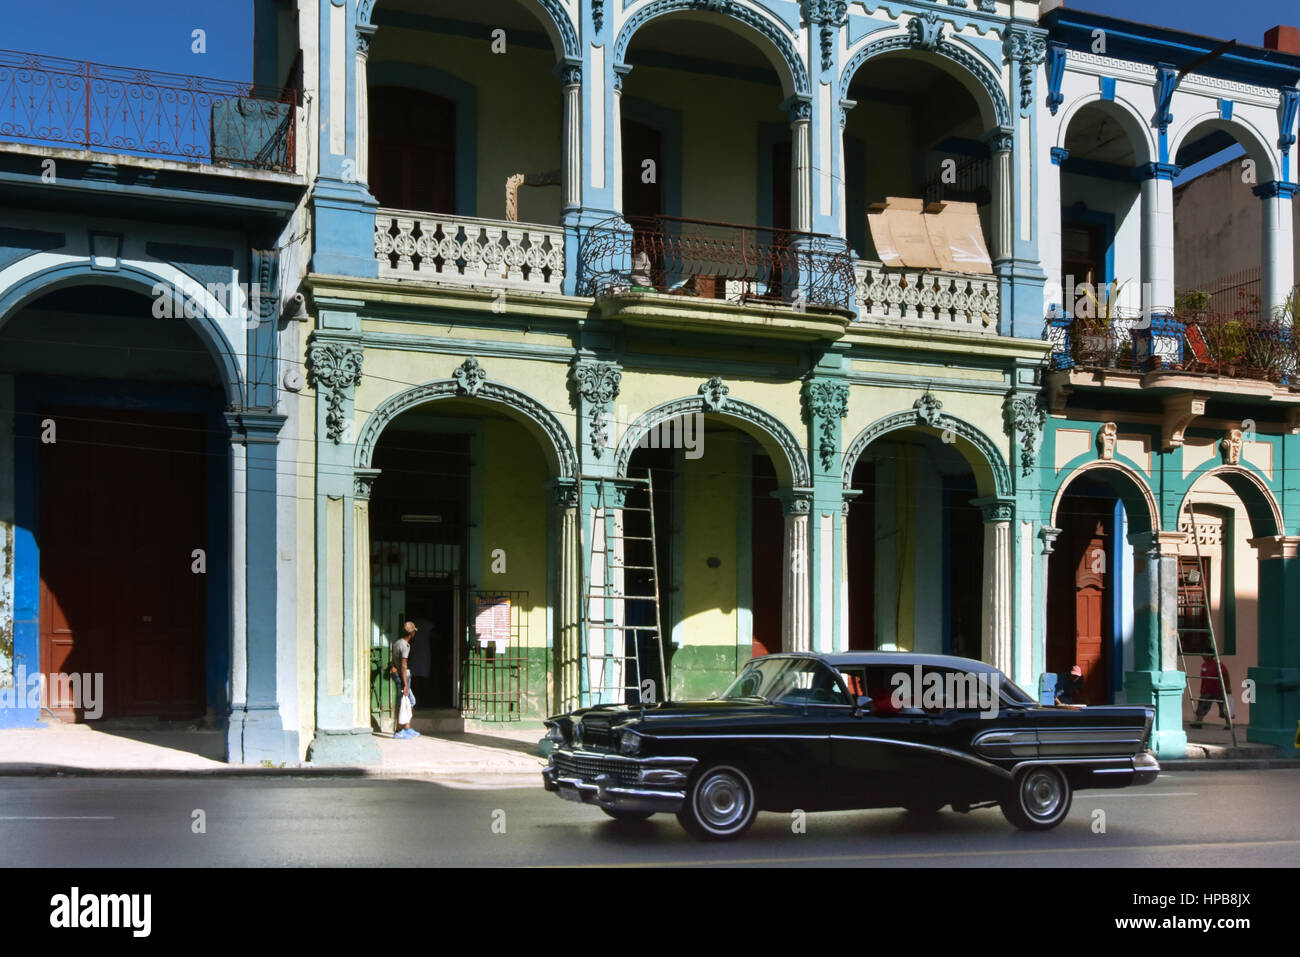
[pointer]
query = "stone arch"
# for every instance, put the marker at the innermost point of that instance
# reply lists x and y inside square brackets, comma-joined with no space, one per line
[772,39]
[551,14]
[1126,114]
[532,414]
[1241,130]
[1139,501]
[777,440]
[142,278]
[1261,505]
[992,477]
[956,59]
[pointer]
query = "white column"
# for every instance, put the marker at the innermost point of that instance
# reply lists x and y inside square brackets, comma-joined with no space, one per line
[1000,142]
[571,184]
[997,611]
[796,634]
[1049,233]
[238,575]
[364,34]
[1158,238]
[1278,244]
[801,167]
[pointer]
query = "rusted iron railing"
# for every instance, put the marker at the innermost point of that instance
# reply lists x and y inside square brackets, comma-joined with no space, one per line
[718,261]
[48,100]
[1243,345]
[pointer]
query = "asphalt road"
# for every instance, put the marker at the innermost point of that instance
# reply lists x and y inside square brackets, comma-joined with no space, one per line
[1188,819]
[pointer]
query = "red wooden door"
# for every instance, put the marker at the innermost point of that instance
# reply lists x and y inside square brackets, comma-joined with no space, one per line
[122,510]
[413,150]
[1089,617]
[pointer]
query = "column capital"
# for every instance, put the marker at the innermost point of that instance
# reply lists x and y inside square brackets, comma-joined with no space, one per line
[1271,547]
[994,509]
[1165,171]
[1000,139]
[251,426]
[1048,535]
[795,501]
[564,493]
[1164,544]
[798,108]
[1275,188]
[363,483]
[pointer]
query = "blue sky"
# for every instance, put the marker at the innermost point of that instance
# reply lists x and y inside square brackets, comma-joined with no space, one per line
[151,34]
[1242,20]
[156,34]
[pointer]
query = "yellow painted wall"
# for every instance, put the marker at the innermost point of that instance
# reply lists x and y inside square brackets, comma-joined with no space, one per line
[520,111]
[709,594]
[515,508]
[720,118]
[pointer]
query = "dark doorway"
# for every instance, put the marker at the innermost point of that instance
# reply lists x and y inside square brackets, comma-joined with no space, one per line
[413,150]
[123,499]
[1083,255]
[767,543]
[964,531]
[1079,625]
[861,536]
[433,607]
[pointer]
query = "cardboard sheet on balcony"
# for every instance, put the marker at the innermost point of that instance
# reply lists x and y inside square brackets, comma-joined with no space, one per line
[945,236]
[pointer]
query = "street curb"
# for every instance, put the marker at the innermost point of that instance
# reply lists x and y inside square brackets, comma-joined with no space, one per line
[1229,764]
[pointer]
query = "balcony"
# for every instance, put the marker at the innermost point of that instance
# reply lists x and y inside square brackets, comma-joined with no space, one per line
[1211,344]
[469,251]
[927,299]
[51,101]
[720,261]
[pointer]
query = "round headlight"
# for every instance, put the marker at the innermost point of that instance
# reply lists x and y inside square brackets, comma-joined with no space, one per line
[630,743]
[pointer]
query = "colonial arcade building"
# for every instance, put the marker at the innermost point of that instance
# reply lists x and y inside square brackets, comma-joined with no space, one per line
[748,305]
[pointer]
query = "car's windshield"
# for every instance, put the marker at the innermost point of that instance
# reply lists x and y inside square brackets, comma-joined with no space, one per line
[801,680]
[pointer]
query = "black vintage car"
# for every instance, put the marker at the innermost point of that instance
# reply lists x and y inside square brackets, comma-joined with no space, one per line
[844,731]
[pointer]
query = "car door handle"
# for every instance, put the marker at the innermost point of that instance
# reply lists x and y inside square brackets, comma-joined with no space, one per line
[919,721]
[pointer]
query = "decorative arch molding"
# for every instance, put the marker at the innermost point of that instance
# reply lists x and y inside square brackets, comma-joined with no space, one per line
[560,453]
[137,277]
[1249,136]
[927,415]
[1137,490]
[1133,123]
[958,53]
[555,19]
[1261,505]
[797,72]
[738,411]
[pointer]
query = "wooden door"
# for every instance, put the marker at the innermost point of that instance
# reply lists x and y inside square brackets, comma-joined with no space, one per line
[1082,256]
[642,200]
[1090,617]
[413,150]
[122,510]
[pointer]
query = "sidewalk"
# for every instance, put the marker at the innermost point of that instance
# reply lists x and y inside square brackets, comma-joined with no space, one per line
[1210,748]
[157,749]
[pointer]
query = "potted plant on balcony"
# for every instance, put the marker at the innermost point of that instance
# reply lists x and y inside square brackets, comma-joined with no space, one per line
[1285,317]
[1099,324]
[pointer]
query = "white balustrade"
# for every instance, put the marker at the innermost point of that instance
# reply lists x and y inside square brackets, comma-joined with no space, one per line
[917,297]
[465,250]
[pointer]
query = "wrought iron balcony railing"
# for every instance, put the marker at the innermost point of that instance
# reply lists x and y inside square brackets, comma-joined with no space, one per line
[1241,347]
[53,101]
[694,257]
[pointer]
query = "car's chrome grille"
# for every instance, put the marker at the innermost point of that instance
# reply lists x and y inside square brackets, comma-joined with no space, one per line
[624,773]
[596,734]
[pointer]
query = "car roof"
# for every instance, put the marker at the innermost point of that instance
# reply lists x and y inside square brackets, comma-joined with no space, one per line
[889,658]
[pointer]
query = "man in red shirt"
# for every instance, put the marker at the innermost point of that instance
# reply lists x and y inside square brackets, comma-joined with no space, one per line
[1212,690]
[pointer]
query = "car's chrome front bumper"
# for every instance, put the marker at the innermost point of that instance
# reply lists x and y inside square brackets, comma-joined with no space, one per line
[1145,767]
[618,782]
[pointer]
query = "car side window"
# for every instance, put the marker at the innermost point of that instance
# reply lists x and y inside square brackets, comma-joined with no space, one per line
[950,689]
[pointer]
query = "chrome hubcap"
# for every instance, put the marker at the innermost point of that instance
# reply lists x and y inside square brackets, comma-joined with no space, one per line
[1041,794]
[722,800]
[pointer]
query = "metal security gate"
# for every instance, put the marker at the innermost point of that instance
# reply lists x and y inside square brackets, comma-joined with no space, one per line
[402,576]
[495,664]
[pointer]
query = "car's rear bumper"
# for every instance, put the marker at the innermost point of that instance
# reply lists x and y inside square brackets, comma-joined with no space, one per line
[1122,772]
[618,782]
